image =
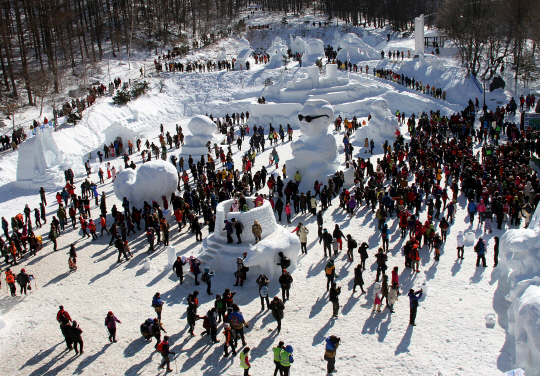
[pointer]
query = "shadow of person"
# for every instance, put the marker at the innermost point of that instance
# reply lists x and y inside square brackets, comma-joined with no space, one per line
[318,306]
[320,335]
[403,346]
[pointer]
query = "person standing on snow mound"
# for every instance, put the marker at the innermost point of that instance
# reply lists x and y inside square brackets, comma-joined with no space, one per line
[315,152]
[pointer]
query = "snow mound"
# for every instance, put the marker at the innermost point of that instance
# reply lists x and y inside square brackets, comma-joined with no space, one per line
[315,153]
[524,324]
[263,256]
[149,182]
[383,124]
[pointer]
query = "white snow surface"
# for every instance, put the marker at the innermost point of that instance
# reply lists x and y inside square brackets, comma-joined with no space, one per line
[451,336]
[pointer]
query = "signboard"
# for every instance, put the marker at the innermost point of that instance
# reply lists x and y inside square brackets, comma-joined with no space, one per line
[531,120]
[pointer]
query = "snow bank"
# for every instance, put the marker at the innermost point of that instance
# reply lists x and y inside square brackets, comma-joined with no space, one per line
[150,181]
[382,126]
[315,153]
[524,324]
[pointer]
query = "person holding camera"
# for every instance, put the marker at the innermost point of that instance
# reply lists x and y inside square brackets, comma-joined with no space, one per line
[334,298]
[414,297]
[332,343]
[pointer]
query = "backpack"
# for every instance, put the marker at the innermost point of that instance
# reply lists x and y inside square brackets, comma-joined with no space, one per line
[64,319]
[235,321]
[160,347]
[204,278]
[285,262]
[354,243]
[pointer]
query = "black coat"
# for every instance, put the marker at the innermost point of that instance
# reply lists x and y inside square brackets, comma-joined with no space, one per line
[358,279]
[23,279]
[75,333]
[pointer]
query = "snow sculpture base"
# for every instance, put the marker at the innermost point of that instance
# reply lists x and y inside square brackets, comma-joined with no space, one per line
[151,181]
[40,162]
[263,256]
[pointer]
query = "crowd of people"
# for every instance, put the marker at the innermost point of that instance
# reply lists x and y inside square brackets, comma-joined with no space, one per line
[416,183]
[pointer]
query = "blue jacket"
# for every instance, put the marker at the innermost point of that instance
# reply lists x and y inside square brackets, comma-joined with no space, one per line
[207,272]
[330,346]
[157,301]
[387,201]
[480,249]
[414,297]
[471,208]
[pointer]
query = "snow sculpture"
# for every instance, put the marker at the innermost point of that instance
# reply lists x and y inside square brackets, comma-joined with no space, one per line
[419,35]
[351,47]
[520,265]
[242,58]
[298,45]
[171,255]
[382,126]
[523,324]
[147,265]
[276,52]
[519,248]
[315,153]
[314,49]
[203,129]
[222,55]
[40,162]
[261,257]
[151,181]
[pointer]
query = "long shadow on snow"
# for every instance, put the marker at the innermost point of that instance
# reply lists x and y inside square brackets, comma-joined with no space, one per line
[321,334]
[45,367]
[477,276]
[36,359]
[318,306]
[89,360]
[403,346]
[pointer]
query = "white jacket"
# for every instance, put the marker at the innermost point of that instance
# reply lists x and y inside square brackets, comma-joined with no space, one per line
[460,239]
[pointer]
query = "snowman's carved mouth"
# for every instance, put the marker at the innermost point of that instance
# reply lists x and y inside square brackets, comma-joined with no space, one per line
[309,118]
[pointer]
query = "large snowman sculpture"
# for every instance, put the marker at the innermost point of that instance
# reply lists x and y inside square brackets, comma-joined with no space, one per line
[315,154]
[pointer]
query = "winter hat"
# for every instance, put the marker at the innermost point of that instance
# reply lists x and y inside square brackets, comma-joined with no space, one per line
[227,326]
[22,270]
[110,313]
[165,338]
[289,348]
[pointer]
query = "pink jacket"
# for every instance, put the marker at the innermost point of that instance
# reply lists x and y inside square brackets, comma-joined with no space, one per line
[288,209]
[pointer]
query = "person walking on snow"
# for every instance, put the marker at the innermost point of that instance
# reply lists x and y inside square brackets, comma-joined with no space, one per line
[286,359]
[244,361]
[414,297]
[164,349]
[480,249]
[110,323]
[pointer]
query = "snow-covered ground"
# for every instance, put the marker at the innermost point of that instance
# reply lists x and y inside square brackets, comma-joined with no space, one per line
[451,336]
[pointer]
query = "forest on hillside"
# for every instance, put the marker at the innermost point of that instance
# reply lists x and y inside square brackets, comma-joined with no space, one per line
[42,41]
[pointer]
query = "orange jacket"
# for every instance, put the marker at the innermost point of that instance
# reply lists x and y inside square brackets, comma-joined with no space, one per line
[10,278]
